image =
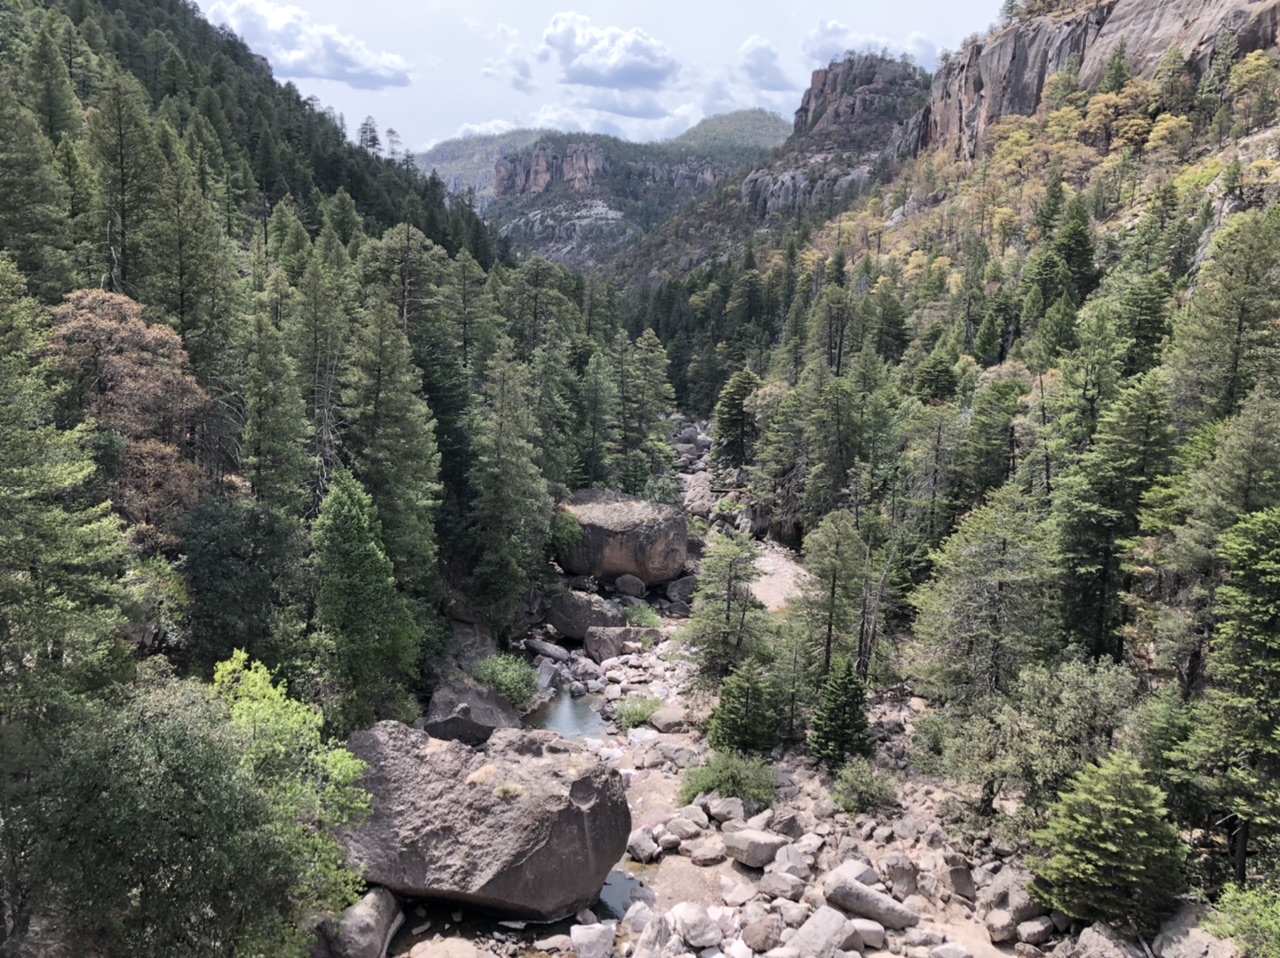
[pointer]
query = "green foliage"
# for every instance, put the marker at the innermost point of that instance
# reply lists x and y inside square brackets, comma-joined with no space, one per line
[735,431]
[642,616]
[1250,916]
[830,603]
[635,710]
[509,675]
[1109,851]
[859,788]
[840,725]
[746,717]
[731,775]
[728,622]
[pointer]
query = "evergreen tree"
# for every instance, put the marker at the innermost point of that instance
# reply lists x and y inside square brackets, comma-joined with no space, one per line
[1118,72]
[598,430]
[836,558]
[1055,199]
[390,439]
[734,431]
[511,510]
[1111,854]
[746,717]
[728,622]
[48,89]
[366,625]
[276,431]
[33,227]
[123,148]
[1097,504]
[840,725]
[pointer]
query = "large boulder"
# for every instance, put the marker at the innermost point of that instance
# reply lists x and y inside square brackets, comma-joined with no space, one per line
[467,713]
[844,889]
[1102,941]
[1182,937]
[602,642]
[528,828]
[753,847]
[825,934]
[573,614]
[622,535]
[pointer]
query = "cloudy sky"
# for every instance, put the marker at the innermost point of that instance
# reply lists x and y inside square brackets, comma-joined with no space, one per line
[434,69]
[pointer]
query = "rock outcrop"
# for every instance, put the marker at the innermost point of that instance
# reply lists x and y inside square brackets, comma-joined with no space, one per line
[528,828]
[622,535]
[1004,75]
[575,614]
[467,713]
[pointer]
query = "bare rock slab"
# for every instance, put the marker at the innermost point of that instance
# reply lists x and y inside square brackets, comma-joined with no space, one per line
[752,847]
[843,889]
[528,828]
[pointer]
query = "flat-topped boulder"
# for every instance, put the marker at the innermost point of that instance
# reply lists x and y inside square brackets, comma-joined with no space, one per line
[622,535]
[467,713]
[526,828]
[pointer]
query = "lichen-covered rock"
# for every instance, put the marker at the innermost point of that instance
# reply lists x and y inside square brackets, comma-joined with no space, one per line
[622,535]
[527,828]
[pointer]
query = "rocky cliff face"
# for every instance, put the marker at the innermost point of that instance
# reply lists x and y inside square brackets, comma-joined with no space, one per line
[1005,74]
[586,167]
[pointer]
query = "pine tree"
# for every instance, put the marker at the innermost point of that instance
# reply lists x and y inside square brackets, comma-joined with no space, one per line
[746,717]
[390,440]
[123,148]
[1118,72]
[364,620]
[840,725]
[511,510]
[836,558]
[734,431]
[1097,504]
[82,208]
[276,431]
[33,225]
[1055,199]
[728,622]
[1110,852]
[49,92]
[598,429]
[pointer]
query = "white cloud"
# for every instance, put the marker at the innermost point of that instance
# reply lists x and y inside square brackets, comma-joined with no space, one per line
[639,106]
[759,63]
[514,66]
[831,39]
[487,128]
[607,56]
[299,47]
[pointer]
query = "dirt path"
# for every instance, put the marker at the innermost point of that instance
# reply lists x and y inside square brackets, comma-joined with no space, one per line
[781,576]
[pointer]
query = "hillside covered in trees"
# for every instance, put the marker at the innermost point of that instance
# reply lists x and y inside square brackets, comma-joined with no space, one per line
[283,424]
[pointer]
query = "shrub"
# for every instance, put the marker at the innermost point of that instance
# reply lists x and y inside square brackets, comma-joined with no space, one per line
[566,532]
[1110,852]
[510,676]
[860,788]
[732,775]
[1250,916]
[642,617]
[635,710]
[746,719]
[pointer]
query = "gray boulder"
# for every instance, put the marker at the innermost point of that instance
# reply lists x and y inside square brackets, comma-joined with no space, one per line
[669,718]
[1035,931]
[573,614]
[602,642]
[1103,941]
[825,934]
[622,535]
[843,889]
[1001,926]
[528,828]
[752,847]
[871,932]
[557,653]
[641,846]
[362,931]
[694,926]
[682,589]
[592,941]
[1182,937]
[467,713]
[630,585]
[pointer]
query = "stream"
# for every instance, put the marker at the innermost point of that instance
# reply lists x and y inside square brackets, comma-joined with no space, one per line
[574,718]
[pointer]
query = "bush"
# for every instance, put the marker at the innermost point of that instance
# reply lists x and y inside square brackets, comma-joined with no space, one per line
[733,776]
[635,710]
[860,788]
[1250,916]
[1110,852]
[642,617]
[566,532]
[510,676]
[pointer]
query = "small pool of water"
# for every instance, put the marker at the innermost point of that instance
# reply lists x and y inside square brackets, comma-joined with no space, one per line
[574,719]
